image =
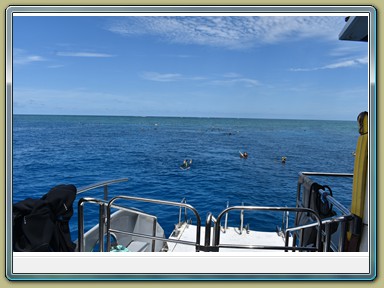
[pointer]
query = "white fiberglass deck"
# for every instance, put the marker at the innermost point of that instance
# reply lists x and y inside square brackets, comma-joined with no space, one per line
[231,236]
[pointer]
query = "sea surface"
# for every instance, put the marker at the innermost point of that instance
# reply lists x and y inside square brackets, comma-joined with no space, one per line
[82,150]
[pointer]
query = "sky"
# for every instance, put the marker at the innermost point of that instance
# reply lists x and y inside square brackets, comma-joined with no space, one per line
[281,67]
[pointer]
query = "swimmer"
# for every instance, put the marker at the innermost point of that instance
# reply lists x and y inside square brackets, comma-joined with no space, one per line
[283,159]
[243,155]
[186,163]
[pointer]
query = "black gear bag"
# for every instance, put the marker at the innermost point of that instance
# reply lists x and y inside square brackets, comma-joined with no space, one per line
[42,225]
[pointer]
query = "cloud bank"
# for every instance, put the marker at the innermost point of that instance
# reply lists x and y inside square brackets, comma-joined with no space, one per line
[230,32]
[336,65]
[228,79]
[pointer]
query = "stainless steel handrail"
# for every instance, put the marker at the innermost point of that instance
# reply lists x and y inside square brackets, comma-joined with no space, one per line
[226,219]
[327,174]
[80,221]
[208,226]
[241,220]
[102,217]
[217,244]
[104,205]
[185,212]
[101,204]
[155,201]
[101,184]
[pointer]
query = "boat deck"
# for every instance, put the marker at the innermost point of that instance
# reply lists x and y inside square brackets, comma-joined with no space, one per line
[232,236]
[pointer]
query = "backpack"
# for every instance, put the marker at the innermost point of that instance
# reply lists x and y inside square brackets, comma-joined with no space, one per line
[314,200]
[42,225]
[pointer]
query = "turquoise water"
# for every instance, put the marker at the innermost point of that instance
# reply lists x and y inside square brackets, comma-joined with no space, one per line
[81,150]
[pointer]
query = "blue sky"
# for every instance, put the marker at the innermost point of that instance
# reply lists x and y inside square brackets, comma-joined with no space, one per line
[291,67]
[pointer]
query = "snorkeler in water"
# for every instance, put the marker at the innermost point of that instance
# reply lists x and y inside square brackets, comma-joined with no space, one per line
[243,155]
[186,164]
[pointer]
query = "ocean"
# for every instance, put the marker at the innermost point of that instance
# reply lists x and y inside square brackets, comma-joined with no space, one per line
[82,150]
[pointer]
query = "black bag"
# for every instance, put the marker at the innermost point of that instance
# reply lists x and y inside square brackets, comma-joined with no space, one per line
[315,201]
[42,225]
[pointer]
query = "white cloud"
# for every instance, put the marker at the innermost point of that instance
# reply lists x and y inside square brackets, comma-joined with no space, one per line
[161,77]
[228,31]
[226,79]
[248,82]
[233,78]
[336,65]
[22,57]
[168,77]
[83,54]
[347,63]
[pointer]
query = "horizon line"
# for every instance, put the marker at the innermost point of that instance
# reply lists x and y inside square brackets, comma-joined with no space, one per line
[181,117]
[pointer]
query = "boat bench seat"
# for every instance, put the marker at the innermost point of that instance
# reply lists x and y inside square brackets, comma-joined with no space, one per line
[138,246]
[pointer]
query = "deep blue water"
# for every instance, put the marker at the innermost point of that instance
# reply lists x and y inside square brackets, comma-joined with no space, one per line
[81,150]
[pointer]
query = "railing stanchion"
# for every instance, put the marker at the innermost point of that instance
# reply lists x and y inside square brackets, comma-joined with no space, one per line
[226,219]
[241,220]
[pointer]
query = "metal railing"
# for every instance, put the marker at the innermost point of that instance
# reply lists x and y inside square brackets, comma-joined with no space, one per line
[102,205]
[181,212]
[80,219]
[342,219]
[217,244]
[208,226]
[103,184]
[155,201]
[105,216]
[322,226]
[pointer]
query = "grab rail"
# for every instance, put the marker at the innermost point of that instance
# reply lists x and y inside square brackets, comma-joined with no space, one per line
[80,220]
[208,226]
[180,212]
[326,174]
[217,244]
[101,184]
[102,218]
[105,219]
[155,201]
[101,204]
